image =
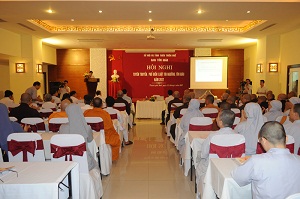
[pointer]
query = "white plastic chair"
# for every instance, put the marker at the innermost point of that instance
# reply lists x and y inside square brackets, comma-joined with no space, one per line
[104,149]
[237,112]
[27,142]
[294,196]
[55,123]
[49,105]
[36,124]
[90,181]
[227,146]
[200,124]
[210,112]
[13,119]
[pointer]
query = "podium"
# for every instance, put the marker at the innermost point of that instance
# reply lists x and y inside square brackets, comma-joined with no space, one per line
[91,85]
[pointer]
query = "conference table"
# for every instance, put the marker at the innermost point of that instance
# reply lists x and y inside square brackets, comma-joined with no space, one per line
[30,180]
[219,183]
[148,109]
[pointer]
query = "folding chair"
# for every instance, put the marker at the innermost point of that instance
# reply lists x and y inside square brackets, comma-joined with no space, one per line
[72,147]
[25,147]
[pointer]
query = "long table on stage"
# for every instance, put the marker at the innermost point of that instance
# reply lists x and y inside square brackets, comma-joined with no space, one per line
[148,109]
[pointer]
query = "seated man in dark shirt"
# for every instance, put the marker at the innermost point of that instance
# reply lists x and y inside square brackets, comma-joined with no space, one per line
[121,100]
[186,99]
[231,101]
[24,110]
[176,99]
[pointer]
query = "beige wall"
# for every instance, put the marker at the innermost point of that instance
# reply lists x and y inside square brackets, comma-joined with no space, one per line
[49,55]
[4,79]
[10,43]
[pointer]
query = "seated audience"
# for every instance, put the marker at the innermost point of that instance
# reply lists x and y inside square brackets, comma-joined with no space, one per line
[32,91]
[225,121]
[55,95]
[225,106]
[231,101]
[24,110]
[121,100]
[111,136]
[73,96]
[172,102]
[192,94]
[126,97]
[246,98]
[192,111]
[186,99]
[78,125]
[110,101]
[48,102]
[291,94]
[66,96]
[249,126]
[6,128]
[209,102]
[253,98]
[274,110]
[294,128]
[289,104]
[270,97]
[98,94]
[8,99]
[262,101]
[275,174]
[282,97]
[62,113]
[224,98]
[87,103]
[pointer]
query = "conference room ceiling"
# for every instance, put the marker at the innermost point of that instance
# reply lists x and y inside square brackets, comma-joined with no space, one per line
[126,25]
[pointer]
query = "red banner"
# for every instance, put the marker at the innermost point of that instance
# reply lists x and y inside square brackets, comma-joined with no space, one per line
[147,74]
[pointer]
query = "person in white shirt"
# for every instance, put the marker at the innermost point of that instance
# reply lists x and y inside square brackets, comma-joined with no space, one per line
[225,121]
[55,97]
[129,100]
[66,86]
[294,128]
[167,100]
[73,96]
[275,174]
[48,104]
[262,90]
[87,103]
[249,126]
[248,87]
[274,110]
[8,99]
[110,101]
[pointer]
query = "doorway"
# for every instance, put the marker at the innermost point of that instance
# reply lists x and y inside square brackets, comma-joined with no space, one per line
[293,79]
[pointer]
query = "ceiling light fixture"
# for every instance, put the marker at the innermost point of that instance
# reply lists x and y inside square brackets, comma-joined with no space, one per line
[49,10]
[100,11]
[150,11]
[150,19]
[72,19]
[248,11]
[199,11]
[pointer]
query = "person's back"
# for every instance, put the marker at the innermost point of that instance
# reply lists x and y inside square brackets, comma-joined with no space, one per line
[293,129]
[275,174]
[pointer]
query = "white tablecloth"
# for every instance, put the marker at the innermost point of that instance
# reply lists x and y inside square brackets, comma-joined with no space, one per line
[37,179]
[147,109]
[218,181]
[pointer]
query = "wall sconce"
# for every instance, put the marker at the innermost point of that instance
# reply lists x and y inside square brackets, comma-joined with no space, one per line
[39,68]
[20,67]
[259,68]
[273,67]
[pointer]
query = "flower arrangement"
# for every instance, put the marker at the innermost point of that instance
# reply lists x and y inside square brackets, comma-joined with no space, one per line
[114,79]
[86,75]
[152,99]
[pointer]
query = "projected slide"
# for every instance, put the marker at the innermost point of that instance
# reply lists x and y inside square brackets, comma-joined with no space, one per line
[208,72]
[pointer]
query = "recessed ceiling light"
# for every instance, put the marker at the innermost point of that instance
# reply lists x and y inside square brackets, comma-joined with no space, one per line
[100,11]
[150,11]
[72,19]
[50,11]
[248,11]
[227,20]
[150,19]
[199,11]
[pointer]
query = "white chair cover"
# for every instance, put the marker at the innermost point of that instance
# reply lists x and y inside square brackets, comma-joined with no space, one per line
[182,112]
[175,105]
[35,122]
[54,123]
[236,121]
[13,119]
[294,196]
[104,149]
[1,158]
[39,155]
[45,112]
[120,106]
[90,181]
[227,140]
[210,111]
[237,112]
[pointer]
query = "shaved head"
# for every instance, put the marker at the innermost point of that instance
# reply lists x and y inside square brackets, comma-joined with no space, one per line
[25,98]
[97,102]
[176,94]
[64,104]
[120,93]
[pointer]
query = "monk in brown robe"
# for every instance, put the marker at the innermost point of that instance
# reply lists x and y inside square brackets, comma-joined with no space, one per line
[111,136]
[62,113]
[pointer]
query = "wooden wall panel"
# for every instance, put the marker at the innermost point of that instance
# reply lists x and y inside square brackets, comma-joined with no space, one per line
[235,69]
[71,65]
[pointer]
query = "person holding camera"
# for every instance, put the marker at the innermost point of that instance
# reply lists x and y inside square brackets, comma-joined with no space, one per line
[248,87]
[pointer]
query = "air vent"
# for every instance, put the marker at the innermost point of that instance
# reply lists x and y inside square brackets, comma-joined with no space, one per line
[269,26]
[90,40]
[209,40]
[26,26]
[2,20]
